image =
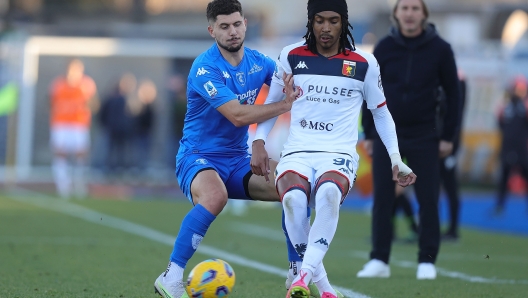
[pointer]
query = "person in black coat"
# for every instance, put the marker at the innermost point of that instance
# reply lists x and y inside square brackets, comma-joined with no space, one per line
[414,61]
[449,171]
[513,124]
[118,125]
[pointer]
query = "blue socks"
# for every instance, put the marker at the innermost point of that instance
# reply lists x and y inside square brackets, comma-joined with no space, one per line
[192,230]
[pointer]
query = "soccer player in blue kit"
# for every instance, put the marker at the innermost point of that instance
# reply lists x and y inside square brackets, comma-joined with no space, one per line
[213,163]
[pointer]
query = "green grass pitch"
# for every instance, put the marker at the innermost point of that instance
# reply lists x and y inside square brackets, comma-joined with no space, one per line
[52,248]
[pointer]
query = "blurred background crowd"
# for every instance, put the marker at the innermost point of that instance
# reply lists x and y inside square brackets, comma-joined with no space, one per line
[138,53]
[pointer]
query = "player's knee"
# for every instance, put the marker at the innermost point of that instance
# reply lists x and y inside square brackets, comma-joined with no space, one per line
[293,201]
[329,196]
[213,201]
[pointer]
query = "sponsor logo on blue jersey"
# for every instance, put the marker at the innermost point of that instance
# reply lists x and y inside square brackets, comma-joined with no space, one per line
[249,97]
[255,69]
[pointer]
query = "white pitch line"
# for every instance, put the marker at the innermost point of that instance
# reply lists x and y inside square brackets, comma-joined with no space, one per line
[273,234]
[84,213]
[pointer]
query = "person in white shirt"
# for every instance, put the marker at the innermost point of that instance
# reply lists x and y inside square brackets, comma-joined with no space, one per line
[318,163]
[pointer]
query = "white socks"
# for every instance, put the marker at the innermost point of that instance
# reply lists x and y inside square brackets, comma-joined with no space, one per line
[328,199]
[295,204]
[294,268]
[61,176]
[79,170]
[173,272]
[312,242]
[320,279]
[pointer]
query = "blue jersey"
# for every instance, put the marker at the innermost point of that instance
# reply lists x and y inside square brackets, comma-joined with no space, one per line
[211,83]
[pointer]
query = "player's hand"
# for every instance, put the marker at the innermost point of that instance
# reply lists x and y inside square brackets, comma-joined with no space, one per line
[401,173]
[400,178]
[259,159]
[445,148]
[292,92]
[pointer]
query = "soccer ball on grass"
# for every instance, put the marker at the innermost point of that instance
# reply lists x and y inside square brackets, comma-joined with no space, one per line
[211,279]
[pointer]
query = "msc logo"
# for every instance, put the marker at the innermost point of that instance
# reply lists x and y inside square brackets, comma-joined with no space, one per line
[201,71]
[301,64]
[226,75]
[316,125]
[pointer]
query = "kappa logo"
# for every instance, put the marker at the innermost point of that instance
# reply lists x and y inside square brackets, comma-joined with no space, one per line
[201,71]
[322,241]
[226,75]
[301,64]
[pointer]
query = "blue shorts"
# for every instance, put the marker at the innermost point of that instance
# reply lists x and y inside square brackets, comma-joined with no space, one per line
[234,171]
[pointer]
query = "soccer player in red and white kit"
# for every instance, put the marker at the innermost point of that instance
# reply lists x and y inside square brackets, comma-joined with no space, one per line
[319,161]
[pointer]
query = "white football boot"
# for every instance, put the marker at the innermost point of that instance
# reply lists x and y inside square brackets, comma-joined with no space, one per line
[169,290]
[426,271]
[374,268]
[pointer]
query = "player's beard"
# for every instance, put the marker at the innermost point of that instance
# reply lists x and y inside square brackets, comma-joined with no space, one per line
[232,49]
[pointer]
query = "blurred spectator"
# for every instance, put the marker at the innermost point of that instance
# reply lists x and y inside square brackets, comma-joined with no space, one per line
[73,98]
[513,124]
[414,62]
[144,121]
[448,167]
[179,108]
[117,122]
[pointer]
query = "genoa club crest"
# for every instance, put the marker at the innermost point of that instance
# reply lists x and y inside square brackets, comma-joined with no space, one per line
[349,68]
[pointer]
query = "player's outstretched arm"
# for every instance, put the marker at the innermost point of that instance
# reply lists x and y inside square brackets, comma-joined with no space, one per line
[386,129]
[259,157]
[242,115]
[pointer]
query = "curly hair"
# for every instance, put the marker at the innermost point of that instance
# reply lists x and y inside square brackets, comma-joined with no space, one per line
[222,7]
[346,40]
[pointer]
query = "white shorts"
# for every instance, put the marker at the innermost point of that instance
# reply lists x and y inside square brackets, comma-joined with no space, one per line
[70,138]
[312,166]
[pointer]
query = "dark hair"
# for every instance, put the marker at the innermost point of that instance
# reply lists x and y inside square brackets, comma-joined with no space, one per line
[346,40]
[222,7]
[397,23]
